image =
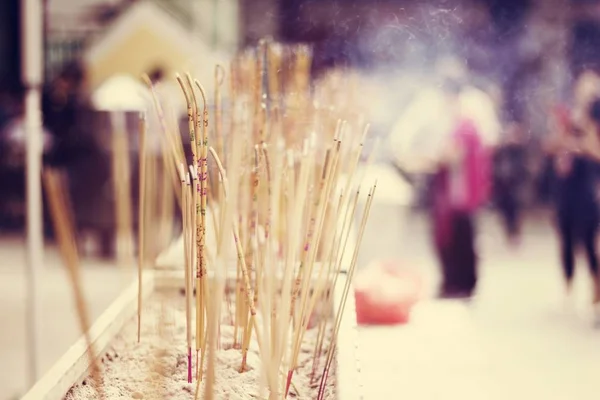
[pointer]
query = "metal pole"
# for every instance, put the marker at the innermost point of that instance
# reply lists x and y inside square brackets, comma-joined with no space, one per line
[32,69]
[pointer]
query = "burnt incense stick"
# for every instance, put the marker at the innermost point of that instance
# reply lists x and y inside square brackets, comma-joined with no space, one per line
[68,250]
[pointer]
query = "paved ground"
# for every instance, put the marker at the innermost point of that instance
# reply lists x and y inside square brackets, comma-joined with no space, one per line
[517,340]
[59,327]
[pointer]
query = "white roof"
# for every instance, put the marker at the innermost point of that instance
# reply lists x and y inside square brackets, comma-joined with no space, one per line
[122,93]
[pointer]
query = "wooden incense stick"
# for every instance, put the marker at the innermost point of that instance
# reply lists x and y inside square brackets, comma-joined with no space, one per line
[141,217]
[203,180]
[122,188]
[334,273]
[347,286]
[219,79]
[245,275]
[168,147]
[68,250]
[302,320]
[185,183]
[196,147]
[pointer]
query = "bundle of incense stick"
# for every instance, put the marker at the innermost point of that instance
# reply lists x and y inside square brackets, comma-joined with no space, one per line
[286,201]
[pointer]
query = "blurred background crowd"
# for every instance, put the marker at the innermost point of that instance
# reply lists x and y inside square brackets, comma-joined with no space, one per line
[474,104]
[524,55]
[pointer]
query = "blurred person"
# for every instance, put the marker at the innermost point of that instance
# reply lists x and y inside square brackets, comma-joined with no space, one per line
[575,146]
[64,102]
[458,189]
[451,152]
[509,175]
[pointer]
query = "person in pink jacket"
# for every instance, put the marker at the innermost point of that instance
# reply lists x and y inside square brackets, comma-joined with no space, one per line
[460,186]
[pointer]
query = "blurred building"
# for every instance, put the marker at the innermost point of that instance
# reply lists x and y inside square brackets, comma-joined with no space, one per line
[125,36]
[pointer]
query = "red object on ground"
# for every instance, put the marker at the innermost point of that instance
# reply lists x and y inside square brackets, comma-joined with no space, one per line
[385,293]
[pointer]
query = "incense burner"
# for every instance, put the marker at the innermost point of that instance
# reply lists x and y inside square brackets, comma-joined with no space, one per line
[74,366]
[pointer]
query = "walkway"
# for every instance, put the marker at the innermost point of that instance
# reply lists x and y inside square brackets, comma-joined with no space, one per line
[517,340]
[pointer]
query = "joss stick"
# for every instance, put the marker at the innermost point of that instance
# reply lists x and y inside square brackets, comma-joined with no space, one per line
[166,204]
[238,307]
[228,218]
[219,79]
[141,216]
[315,215]
[68,250]
[193,217]
[254,218]
[318,294]
[269,268]
[269,243]
[196,158]
[200,305]
[268,174]
[185,182]
[245,276]
[289,201]
[346,290]
[214,306]
[203,180]
[166,137]
[245,237]
[150,194]
[261,107]
[333,275]
[303,318]
[122,190]
[273,73]
[312,217]
[297,196]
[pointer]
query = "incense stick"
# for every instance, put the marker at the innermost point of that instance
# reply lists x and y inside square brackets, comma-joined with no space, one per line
[185,183]
[285,224]
[245,276]
[68,251]
[166,141]
[141,216]
[121,186]
[346,290]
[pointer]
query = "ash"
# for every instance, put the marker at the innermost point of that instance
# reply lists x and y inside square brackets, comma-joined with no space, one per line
[156,368]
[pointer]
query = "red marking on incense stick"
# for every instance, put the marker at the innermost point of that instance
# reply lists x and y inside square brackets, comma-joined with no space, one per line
[189,365]
[288,382]
[322,385]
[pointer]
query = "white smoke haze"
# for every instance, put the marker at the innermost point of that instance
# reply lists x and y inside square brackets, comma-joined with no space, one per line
[518,70]
[402,50]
